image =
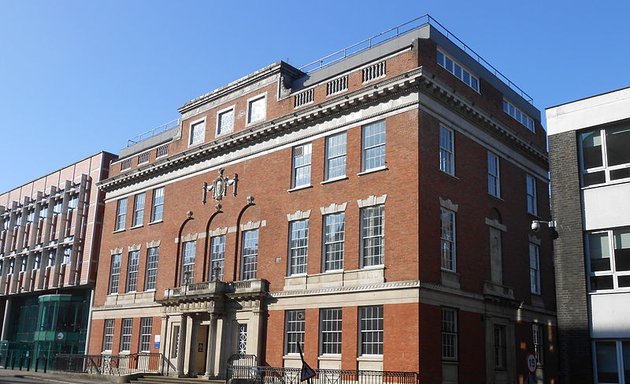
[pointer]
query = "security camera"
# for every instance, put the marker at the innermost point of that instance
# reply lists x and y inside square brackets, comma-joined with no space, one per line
[535,225]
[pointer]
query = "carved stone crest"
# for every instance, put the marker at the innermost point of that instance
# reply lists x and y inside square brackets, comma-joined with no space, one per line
[219,188]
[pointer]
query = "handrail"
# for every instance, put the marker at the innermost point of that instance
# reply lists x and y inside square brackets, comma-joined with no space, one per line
[153,132]
[398,30]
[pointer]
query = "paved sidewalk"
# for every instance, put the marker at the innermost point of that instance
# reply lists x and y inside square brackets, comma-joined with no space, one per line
[10,376]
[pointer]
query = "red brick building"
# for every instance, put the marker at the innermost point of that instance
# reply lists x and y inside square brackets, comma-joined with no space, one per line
[376,209]
[49,245]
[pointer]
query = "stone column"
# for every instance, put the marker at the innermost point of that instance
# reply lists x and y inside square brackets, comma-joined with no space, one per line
[163,350]
[181,345]
[191,350]
[254,337]
[211,345]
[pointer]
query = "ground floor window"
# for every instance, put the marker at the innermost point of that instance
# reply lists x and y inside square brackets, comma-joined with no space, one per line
[612,361]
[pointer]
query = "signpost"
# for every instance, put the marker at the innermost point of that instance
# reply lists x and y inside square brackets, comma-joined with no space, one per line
[306,373]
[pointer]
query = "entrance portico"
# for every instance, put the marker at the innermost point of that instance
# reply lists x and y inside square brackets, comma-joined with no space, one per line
[203,324]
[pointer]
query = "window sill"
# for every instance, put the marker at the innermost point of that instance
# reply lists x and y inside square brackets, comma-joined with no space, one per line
[373,170]
[119,230]
[449,175]
[498,198]
[370,358]
[136,226]
[156,222]
[291,356]
[329,357]
[300,188]
[334,179]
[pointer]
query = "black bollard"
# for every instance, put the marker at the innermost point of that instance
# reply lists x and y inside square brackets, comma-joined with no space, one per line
[12,362]
[28,364]
[45,364]
[36,364]
[21,362]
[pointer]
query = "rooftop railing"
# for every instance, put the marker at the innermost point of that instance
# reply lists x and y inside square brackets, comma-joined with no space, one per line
[153,132]
[399,30]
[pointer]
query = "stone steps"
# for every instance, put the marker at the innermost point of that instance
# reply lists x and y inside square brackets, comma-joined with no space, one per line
[154,379]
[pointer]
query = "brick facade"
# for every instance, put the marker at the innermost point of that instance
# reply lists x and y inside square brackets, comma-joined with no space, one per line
[397,87]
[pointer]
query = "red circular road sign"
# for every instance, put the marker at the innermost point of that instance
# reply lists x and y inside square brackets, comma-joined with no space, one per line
[531,363]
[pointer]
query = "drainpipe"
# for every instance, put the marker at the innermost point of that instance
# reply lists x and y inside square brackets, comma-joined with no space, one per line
[250,202]
[89,323]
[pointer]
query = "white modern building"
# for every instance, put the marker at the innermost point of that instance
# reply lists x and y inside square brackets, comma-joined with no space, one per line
[590,174]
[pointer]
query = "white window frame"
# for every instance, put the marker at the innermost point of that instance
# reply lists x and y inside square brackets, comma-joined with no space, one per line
[250,102]
[301,163]
[612,271]
[371,330]
[192,141]
[448,240]
[189,255]
[249,254]
[121,214]
[365,148]
[494,175]
[114,274]
[126,333]
[532,199]
[155,203]
[517,114]
[619,359]
[604,168]
[298,247]
[146,331]
[294,330]
[153,260]
[217,257]
[330,331]
[459,71]
[447,150]
[218,131]
[334,242]
[449,334]
[138,209]
[131,285]
[372,236]
[108,334]
[340,155]
[534,268]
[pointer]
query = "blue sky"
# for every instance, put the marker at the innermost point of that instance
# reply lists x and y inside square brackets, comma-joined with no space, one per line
[78,77]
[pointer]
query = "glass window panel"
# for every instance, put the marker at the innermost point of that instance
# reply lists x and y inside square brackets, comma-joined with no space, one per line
[617,174]
[606,355]
[617,144]
[601,282]
[623,281]
[593,178]
[591,149]
[625,345]
[599,251]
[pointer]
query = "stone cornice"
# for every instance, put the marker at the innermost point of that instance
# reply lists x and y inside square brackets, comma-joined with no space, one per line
[418,77]
[360,288]
[273,127]
[433,87]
